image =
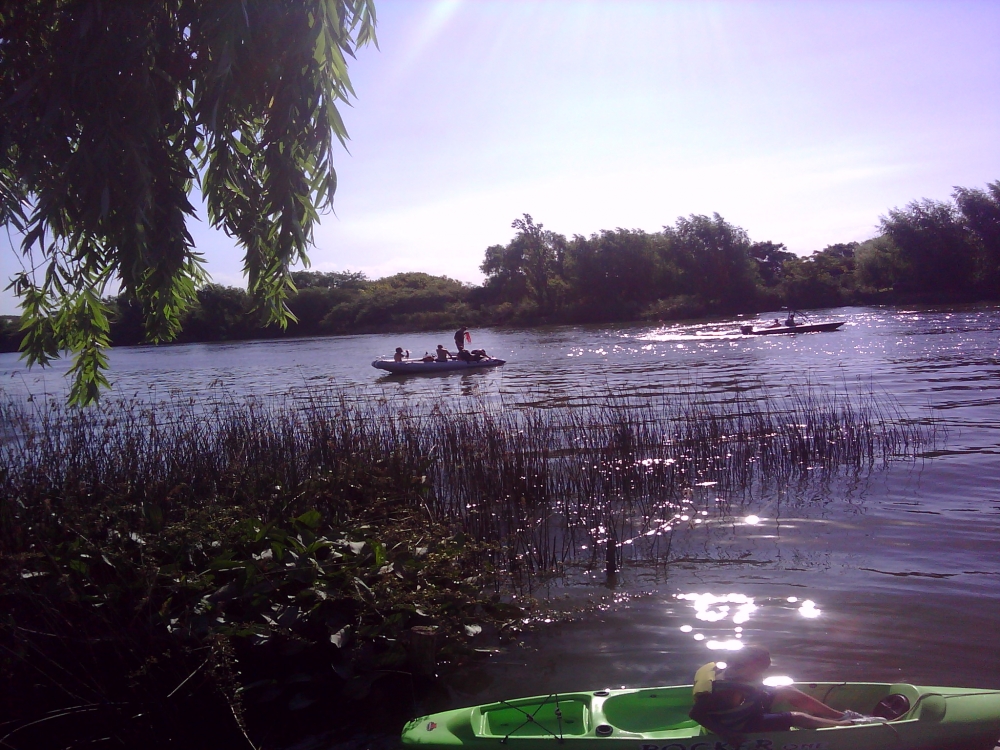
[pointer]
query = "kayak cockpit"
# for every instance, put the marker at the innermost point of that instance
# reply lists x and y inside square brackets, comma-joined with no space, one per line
[647,712]
[552,716]
[650,711]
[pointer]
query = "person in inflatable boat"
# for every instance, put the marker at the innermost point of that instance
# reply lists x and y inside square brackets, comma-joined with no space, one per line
[730,700]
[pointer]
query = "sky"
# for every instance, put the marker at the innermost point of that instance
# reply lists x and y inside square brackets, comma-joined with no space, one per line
[802,122]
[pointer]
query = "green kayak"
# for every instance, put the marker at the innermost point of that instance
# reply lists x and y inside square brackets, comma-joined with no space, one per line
[927,718]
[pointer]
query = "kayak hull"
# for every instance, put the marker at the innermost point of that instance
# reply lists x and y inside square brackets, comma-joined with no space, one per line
[938,718]
[417,367]
[803,328]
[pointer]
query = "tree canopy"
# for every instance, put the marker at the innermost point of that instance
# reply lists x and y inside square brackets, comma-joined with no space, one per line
[112,113]
[701,264]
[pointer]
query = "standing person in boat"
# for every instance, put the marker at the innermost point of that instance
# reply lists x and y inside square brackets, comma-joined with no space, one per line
[462,336]
[730,700]
[443,355]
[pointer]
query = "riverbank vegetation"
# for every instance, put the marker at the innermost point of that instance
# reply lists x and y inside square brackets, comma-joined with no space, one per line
[263,570]
[928,252]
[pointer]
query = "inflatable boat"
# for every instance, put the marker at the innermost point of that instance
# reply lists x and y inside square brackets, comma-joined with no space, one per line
[417,366]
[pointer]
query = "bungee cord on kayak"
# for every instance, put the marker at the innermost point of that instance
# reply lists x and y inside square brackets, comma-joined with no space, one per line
[530,718]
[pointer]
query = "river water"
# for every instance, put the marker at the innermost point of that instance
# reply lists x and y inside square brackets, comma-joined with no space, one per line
[895,578]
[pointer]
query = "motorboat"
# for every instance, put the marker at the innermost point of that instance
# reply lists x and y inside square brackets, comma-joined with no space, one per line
[832,325]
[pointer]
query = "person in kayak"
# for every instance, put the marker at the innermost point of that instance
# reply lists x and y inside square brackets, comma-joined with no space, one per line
[443,355]
[461,336]
[731,700]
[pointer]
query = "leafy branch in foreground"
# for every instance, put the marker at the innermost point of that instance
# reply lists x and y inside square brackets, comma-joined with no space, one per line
[114,111]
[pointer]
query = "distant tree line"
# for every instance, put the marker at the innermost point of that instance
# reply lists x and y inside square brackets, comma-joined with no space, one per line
[324,304]
[927,252]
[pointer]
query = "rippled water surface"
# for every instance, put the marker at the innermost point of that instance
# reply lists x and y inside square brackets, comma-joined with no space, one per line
[900,569]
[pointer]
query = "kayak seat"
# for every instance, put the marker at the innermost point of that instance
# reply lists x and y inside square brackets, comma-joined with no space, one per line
[861,697]
[902,708]
[647,711]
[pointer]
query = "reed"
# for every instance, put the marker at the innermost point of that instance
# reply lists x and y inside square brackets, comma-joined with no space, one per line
[538,484]
[552,487]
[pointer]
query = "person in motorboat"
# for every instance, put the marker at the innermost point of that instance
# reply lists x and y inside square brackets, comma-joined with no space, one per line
[399,356]
[465,355]
[480,354]
[731,700]
[775,324]
[443,355]
[461,336]
[790,320]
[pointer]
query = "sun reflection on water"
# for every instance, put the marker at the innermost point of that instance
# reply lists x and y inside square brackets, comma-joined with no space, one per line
[808,609]
[730,645]
[731,612]
[711,608]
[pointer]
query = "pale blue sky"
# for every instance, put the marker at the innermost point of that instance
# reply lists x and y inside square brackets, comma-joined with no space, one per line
[802,122]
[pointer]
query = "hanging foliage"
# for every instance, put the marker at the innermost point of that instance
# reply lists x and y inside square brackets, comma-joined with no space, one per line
[112,112]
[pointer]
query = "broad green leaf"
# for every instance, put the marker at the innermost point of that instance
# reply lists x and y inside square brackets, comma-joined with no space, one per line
[311,519]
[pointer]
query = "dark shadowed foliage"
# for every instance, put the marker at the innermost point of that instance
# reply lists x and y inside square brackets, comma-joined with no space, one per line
[715,262]
[981,212]
[405,300]
[824,279]
[938,257]
[616,275]
[771,258]
[10,333]
[878,266]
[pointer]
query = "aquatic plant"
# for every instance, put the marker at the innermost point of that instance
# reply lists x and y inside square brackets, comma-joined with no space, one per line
[553,487]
